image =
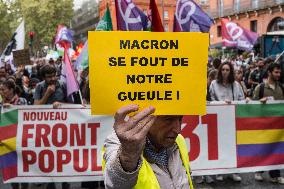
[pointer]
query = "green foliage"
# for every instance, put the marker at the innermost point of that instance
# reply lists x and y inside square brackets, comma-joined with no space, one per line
[41,17]
[215,53]
[5,23]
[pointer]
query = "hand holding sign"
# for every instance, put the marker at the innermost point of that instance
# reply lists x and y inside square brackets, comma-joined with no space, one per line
[132,133]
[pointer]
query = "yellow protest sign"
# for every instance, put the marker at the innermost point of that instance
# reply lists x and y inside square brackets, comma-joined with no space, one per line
[165,70]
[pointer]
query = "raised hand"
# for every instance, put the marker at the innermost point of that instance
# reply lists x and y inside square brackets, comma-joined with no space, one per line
[132,133]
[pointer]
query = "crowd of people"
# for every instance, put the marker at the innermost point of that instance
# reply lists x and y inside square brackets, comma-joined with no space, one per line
[229,79]
[41,83]
[239,79]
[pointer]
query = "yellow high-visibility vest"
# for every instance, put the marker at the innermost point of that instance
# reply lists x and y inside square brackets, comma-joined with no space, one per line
[146,176]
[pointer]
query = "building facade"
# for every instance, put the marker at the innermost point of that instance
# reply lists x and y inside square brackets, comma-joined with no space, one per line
[166,6]
[169,8]
[85,19]
[261,16]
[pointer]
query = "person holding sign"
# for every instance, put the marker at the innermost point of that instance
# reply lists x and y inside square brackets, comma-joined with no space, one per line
[226,89]
[50,91]
[271,89]
[146,151]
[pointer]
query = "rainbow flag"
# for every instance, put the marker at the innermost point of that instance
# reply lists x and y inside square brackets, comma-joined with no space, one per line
[260,135]
[8,154]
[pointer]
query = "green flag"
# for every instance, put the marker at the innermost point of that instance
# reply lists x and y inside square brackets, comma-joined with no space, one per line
[105,24]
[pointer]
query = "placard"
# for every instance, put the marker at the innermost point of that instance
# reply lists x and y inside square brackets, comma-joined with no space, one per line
[165,70]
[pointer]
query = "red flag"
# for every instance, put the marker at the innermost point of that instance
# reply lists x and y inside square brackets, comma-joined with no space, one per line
[156,25]
[64,38]
[234,35]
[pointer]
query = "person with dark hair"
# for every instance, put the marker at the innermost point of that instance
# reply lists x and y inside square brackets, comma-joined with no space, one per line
[11,78]
[256,76]
[58,66]
[247,73]
[50,90]
[211,77]
[51,62]
[216,63]
[225,88]
[3,74]
[10,96]
[34,73]
[8,69]
[270,89]
[33,84]
[239,79]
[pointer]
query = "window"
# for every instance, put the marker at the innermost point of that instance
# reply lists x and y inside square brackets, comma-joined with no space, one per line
[254,4]
[219,31]
[279,1]
[204,2]
[166,27]
[221,7]
[237,5]
[253,25]
[166,14]
[277,24]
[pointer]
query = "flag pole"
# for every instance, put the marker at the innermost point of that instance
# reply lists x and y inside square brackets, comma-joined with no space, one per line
[163,15]
[279,56]
[80,94]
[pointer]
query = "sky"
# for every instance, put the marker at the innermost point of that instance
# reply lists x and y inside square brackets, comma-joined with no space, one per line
[78,3]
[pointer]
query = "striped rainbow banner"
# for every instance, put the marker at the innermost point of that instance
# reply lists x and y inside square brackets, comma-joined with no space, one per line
[260,135]
[8,154]
[259,132]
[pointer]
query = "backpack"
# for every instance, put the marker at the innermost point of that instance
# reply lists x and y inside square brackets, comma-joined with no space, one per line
[261,90]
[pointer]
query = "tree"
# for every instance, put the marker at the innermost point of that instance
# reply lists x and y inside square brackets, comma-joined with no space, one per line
[5,23]
[43,17]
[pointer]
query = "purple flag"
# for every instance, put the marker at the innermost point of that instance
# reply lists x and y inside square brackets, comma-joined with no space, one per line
[64,36]
[129,17]
[189,17]
[71,82]
[234,35]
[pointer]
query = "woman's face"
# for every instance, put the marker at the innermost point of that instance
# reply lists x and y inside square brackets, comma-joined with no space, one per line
[7,93]
[239,75]
[225,71]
